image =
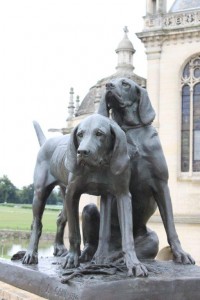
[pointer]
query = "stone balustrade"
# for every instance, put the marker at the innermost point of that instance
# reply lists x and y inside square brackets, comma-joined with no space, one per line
[170,21]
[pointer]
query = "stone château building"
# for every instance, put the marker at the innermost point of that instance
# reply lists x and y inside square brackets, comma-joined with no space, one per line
[172,42]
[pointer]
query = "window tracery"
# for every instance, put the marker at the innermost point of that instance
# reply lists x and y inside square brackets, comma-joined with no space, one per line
[190,121]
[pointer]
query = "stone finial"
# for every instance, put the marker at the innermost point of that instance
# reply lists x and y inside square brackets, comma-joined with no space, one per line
[125,51]
[71,104]
[77,104]
[125,29]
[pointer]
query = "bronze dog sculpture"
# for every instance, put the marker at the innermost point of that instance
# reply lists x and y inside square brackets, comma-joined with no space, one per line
[54,151]
[51,153]
[93,160]
[99,164]
[132,110]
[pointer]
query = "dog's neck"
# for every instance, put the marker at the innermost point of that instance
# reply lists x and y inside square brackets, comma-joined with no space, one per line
[125,128]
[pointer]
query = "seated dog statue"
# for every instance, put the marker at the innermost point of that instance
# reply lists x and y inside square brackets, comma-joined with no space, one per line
[131,109]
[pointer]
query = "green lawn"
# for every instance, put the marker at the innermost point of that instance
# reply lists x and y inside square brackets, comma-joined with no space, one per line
[17,218]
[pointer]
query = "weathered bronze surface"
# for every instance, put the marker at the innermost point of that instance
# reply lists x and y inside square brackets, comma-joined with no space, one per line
[122,161]
[93,160]
[131,108]
[166,280]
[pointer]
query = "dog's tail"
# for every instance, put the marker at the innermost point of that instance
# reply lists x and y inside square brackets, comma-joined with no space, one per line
[40,135]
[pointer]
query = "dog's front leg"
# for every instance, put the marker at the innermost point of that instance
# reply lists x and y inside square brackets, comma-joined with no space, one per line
[59,246]
[71,209]
[124,206]
[101,255]
[31,255]
[163,199]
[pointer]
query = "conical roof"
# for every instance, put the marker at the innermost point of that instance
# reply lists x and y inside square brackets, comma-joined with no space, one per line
[182,5]
[125,43]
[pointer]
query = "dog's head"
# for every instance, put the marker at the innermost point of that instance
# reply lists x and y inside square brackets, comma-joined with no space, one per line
[95,143]
[129,102]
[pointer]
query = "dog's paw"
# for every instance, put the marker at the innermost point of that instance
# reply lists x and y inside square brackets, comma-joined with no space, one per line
[134,266]
[182,257]
[179,255]
[60,250]
[30,258]
[138,270]
[101,258]
[87,253]
[71,260]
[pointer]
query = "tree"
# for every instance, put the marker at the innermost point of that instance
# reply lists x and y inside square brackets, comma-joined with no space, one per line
[10,194]
[25,195]
[8,191]
[55,198]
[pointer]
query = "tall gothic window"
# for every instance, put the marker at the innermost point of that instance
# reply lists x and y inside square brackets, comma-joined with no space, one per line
[190,122]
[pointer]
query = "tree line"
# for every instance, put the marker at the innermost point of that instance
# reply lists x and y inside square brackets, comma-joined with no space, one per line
[9,193]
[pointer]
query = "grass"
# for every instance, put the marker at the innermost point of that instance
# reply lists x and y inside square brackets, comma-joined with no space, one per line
[19,218]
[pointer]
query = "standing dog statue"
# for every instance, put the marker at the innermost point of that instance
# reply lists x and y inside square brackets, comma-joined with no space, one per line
[132,110]
[93,160]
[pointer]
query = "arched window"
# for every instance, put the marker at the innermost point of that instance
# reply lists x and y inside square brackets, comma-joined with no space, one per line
[190,121]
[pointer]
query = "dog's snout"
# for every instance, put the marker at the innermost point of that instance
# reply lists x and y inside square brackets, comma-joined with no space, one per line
[110,86]
[83,152]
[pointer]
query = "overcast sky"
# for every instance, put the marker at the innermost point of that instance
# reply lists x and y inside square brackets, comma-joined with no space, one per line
[48,46]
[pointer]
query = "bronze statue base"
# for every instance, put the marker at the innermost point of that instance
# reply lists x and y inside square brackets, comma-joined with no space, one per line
[166,280]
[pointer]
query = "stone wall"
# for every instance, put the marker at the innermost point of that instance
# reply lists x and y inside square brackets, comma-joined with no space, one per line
[15,234]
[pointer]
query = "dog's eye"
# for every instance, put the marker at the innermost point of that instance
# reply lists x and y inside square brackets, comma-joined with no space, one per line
[80,134]
[124,83]
[99,133]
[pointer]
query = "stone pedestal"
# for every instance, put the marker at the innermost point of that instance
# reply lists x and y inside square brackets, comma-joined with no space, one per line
[166,280]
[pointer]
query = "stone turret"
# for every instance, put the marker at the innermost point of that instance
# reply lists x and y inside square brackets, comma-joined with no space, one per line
[77,105]
[71,105]
[125,51]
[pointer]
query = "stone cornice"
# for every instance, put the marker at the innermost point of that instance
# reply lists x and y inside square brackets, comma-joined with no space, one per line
[156,38]
[182,27]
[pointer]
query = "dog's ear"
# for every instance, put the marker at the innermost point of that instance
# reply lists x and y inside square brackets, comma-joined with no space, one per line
[146,111]
[103,107]
[119,158]
[71,157]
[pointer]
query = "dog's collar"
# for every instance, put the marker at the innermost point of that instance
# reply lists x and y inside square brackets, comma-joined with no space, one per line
[126,128]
